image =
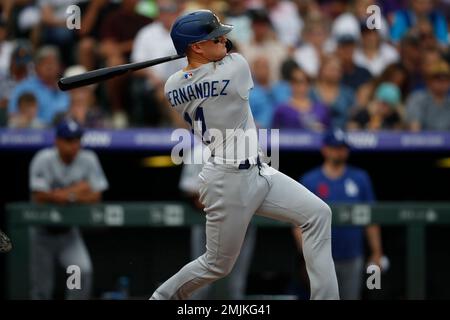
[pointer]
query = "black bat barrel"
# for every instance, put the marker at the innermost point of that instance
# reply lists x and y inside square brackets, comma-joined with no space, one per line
[98,75]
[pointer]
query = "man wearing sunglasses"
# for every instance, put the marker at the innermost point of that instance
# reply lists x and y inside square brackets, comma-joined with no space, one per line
[211,93]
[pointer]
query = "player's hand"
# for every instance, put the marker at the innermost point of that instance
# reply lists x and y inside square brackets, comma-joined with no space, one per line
[381,261]
[61,196]
[79,187]
[375,258]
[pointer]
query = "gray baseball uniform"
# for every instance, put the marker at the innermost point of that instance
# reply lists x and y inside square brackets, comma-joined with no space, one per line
[47,172]
[215,96]
[237,280]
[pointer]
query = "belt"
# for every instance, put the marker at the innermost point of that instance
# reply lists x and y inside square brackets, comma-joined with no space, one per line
[246,164]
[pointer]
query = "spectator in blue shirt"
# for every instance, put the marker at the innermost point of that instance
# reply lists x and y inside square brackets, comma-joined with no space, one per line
[282,88]
[337,182]
[43,86]
[420,10]
[261,96]
[329,91]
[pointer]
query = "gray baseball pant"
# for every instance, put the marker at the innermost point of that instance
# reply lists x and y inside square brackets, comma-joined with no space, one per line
[67,249]
[231,197]
[237,279]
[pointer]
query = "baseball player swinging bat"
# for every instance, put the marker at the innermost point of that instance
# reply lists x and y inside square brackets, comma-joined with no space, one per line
[98,75]
[212,95]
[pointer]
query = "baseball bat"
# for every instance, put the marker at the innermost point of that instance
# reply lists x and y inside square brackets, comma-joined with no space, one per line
[98,75]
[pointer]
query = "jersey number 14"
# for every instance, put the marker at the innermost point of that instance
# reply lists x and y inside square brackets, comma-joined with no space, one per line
[198,116]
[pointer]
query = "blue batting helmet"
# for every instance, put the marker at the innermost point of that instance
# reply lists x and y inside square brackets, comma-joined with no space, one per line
[196,26]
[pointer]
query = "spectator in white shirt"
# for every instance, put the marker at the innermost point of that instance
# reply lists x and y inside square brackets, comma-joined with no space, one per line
[266,43]
[349,22]
[237,15]
[315,34]
[374,54]
[6,48]
[151,42]
[286,21]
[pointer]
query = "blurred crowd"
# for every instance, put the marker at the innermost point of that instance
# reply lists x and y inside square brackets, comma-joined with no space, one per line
[316,64]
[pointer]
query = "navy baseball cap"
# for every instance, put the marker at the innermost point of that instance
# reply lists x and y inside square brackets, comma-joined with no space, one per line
[335,138]
[69,129]
[346,38]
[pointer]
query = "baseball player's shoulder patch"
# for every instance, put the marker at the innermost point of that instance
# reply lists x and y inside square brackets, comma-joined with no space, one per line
[187,75]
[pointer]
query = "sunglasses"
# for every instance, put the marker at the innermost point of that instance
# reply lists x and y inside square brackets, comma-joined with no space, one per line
[299,80]
[442,76]
[215,40]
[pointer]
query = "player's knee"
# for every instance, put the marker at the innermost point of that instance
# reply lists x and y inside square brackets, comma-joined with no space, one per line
[326,212]
[323,213]
[222,269]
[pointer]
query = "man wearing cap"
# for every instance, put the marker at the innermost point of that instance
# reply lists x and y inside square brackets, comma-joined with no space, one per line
[353,75]
[63,175]
[335,182]
[429,109]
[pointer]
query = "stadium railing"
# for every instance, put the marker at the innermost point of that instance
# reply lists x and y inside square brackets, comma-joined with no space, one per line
[414,216]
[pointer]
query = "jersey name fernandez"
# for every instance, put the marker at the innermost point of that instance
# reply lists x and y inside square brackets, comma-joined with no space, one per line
[200,90]
[212,99]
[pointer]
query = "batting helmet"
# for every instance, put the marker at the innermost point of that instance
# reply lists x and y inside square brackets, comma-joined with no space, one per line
[196,26]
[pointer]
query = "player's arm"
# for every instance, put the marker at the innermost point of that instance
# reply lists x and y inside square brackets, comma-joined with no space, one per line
[373,234]
[373,231]
[54,196]
[88,197]
[40,182]
[78,192]
[82,192]
[89,18]
[48,17]
[242,75]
